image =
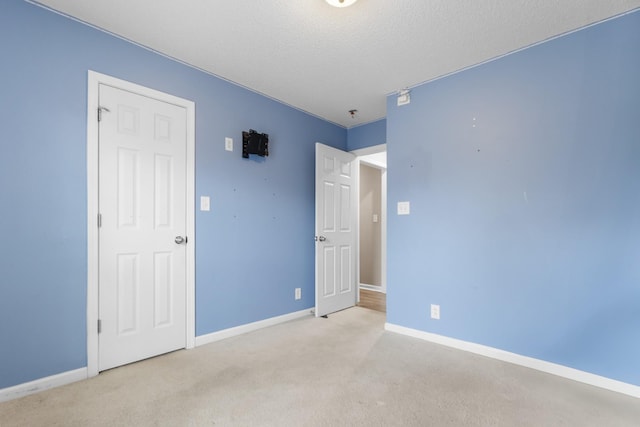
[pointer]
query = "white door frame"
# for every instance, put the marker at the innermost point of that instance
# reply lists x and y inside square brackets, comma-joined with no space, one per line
[383,214]
[94,80]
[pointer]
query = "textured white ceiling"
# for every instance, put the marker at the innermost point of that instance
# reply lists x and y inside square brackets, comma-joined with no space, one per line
[327,60]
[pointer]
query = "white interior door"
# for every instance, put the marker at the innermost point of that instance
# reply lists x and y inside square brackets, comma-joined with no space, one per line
[336,198]
[142,235]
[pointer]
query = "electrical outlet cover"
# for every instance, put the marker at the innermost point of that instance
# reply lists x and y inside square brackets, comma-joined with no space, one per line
[435,311]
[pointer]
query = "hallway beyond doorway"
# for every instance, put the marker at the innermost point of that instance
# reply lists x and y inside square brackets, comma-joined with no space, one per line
[373,300]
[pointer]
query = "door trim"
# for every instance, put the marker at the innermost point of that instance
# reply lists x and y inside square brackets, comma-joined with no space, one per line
[94,80]
[359,153]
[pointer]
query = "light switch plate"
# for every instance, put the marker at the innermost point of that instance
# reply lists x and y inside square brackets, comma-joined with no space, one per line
[205,204]
[404,208]
[228,144]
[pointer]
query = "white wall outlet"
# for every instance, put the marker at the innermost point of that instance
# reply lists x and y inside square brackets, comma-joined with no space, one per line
[228,144]
[435,311]
[298,293]
[404,208]
[205,204]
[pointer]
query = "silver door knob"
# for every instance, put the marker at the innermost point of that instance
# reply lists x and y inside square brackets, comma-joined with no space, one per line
[180,240]
[322,238]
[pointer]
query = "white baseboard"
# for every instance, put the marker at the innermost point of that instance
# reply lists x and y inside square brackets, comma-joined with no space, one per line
[372,288]
[249,327]
[69,377]
[42,384]
[516,359]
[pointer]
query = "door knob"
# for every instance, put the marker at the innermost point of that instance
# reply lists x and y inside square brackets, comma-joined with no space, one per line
[322,238]
[180,240]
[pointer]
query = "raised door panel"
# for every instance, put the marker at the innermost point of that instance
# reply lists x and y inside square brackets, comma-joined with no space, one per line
[329,282]
[329,197]
[345,208]
[345,271]
[163,191]
[128,288]
[163,280]
[128,193]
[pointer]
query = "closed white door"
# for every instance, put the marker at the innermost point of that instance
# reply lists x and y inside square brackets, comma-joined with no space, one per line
[336,199]
[142,204]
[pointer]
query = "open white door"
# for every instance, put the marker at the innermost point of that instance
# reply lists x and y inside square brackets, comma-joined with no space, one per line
[336,198]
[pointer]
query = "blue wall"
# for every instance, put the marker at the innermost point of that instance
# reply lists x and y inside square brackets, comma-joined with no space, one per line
[370,134]
[253,248]
[524,181]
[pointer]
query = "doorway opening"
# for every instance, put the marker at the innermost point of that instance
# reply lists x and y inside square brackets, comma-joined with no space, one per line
[372,228]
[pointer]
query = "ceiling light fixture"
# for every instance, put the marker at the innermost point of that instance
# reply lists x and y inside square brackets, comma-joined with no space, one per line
[341,3]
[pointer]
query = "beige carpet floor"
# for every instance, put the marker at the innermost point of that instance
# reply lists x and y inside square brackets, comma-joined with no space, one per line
[341,371]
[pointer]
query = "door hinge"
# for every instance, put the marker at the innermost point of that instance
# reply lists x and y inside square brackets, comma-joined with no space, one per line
[100,110]
[99,326]
[99,220]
